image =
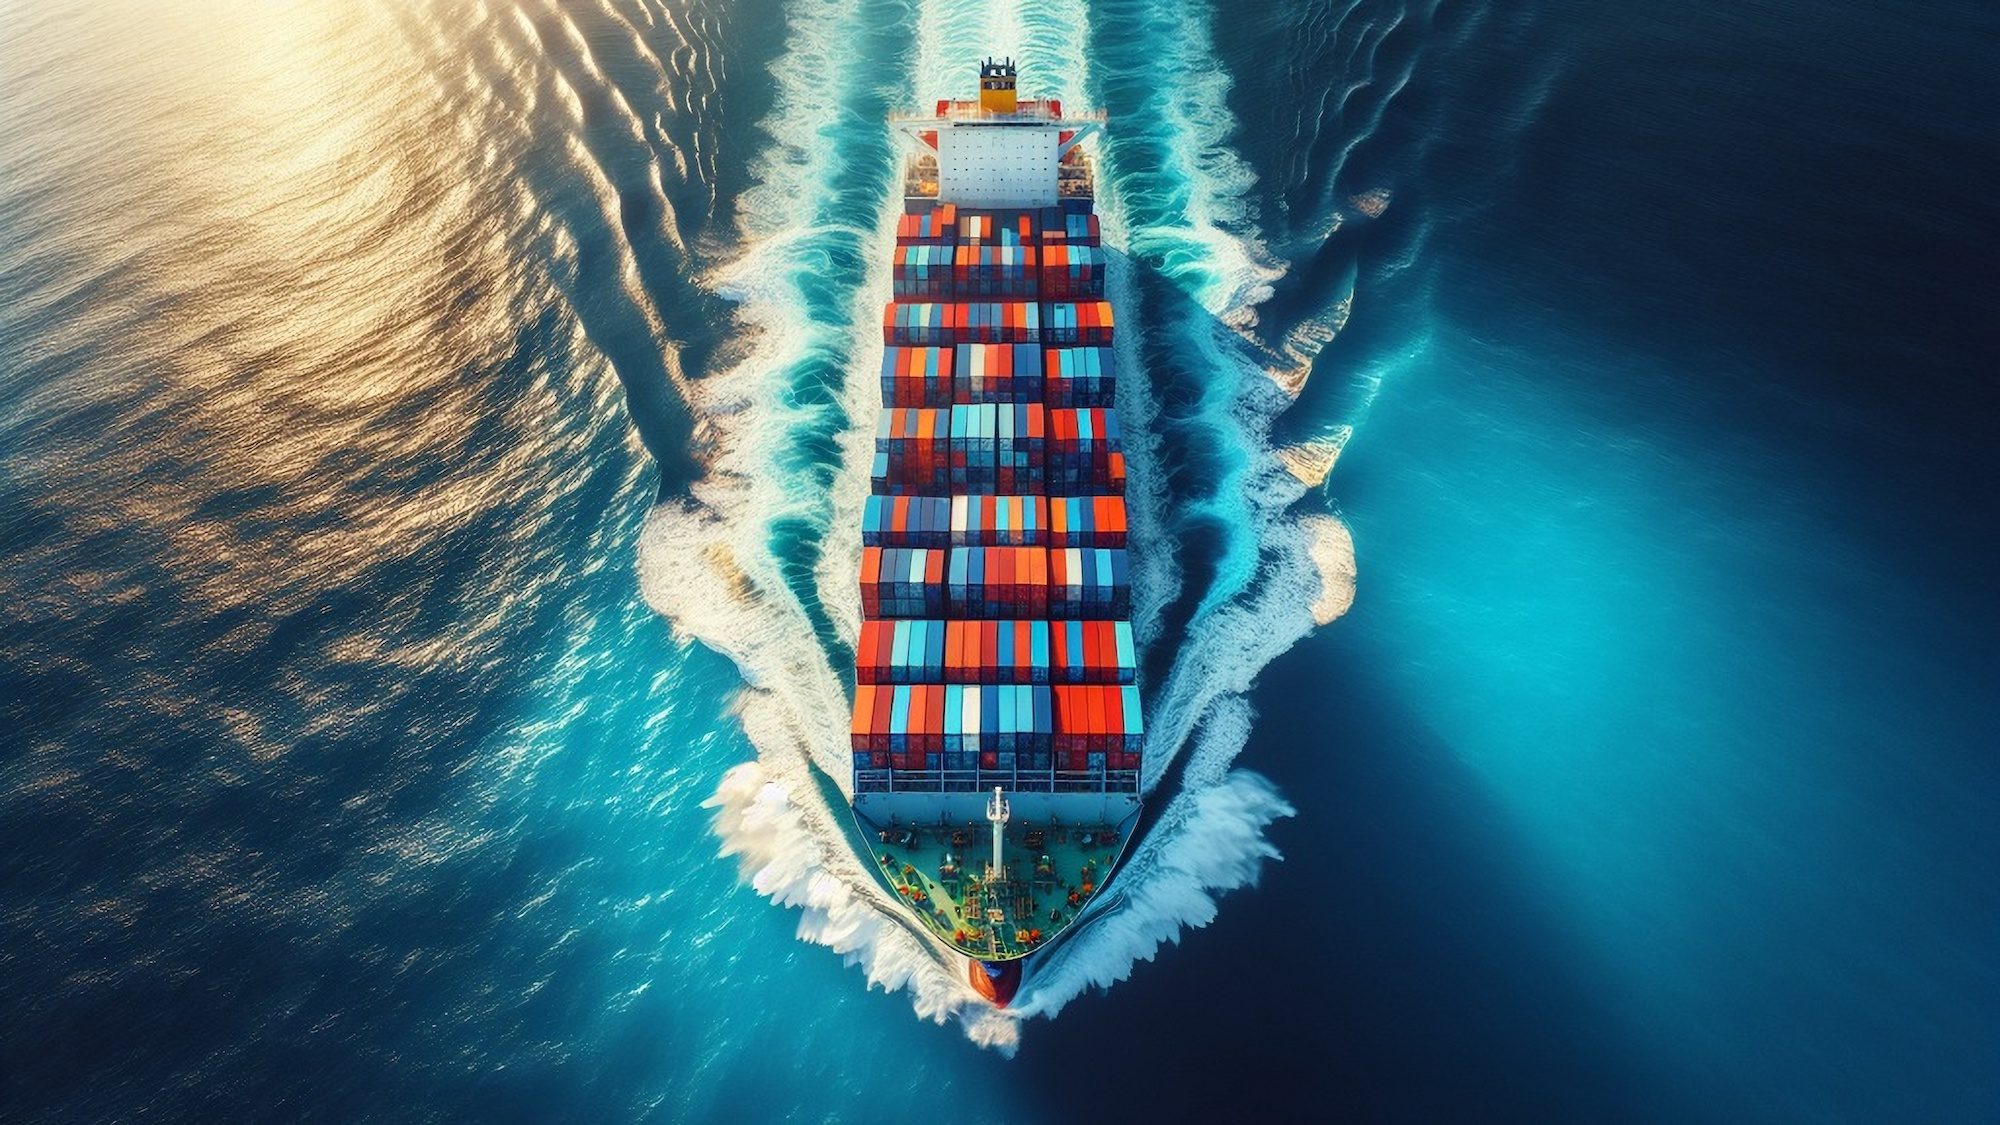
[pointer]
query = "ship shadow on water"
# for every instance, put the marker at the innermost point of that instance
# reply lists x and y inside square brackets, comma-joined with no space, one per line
[1403,960]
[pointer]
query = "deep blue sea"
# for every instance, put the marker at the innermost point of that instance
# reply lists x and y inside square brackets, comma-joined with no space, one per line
[429,463]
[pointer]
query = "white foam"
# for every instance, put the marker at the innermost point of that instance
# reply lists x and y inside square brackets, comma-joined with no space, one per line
[789,849]
[705,563]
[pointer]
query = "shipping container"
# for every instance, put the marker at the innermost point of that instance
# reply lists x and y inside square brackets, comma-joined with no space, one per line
[999,651]
[997,447]
[903,582]
[1084,521]
[1085,453]
[991,322]
[996,373]
[1020,444]
[1068,227]
[860,725]
[908,651]
[1078,376]
[918,323]
[995,271]
[1070,273]
[997,228]
[912,452]
[1077,322]
[920,271]
[906,521]
[1089,582]
[981,723]
[999,582]
[936,226]
[917,376]
[1092,652]
[985,520]
[1097,727]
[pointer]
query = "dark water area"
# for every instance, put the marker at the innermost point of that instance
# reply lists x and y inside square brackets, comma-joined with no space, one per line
[345,773]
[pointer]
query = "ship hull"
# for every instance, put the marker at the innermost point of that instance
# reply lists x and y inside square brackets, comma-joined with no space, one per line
[997,982]
[996,728]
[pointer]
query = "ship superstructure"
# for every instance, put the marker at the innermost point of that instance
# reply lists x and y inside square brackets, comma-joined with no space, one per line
[996,728]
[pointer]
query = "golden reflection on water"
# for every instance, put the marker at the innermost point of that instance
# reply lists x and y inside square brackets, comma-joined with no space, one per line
[279,231]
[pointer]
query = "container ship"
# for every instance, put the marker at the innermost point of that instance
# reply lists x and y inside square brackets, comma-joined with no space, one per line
[996,728]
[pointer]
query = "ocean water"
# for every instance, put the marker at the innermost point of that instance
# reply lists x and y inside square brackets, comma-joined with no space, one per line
[427,448]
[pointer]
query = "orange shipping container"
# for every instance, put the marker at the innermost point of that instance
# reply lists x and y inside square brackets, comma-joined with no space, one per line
[858,725]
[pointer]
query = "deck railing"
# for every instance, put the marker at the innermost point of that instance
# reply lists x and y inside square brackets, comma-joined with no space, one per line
[979,781]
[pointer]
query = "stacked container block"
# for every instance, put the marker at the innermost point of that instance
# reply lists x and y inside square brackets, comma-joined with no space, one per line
[997,447]
[1069,228]
[1088,582]
[917,323]
[1086,521]
[999,521]
[1085,453]
[994,271]
[922,270]
[994,322]
[902,582]
[996,582]
[912,452]
[998,228]
[901,652]
[1078,377]
[996,646]
[919,377]
[1098,727]
[1071,272]
[996,373]
[906,521]
[998,652]
[937,226]
[1077,322]
[1092,652]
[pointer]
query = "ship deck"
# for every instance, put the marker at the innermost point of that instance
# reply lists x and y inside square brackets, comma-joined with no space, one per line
[1051,872]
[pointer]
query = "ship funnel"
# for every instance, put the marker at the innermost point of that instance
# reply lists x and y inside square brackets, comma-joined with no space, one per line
[996,86]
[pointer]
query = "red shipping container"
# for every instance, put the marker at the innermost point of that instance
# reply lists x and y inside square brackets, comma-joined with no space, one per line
[934,720]
[871,579]
[865,664]
[1111,518]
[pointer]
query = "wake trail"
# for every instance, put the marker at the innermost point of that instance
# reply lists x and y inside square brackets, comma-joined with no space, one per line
[707,564]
